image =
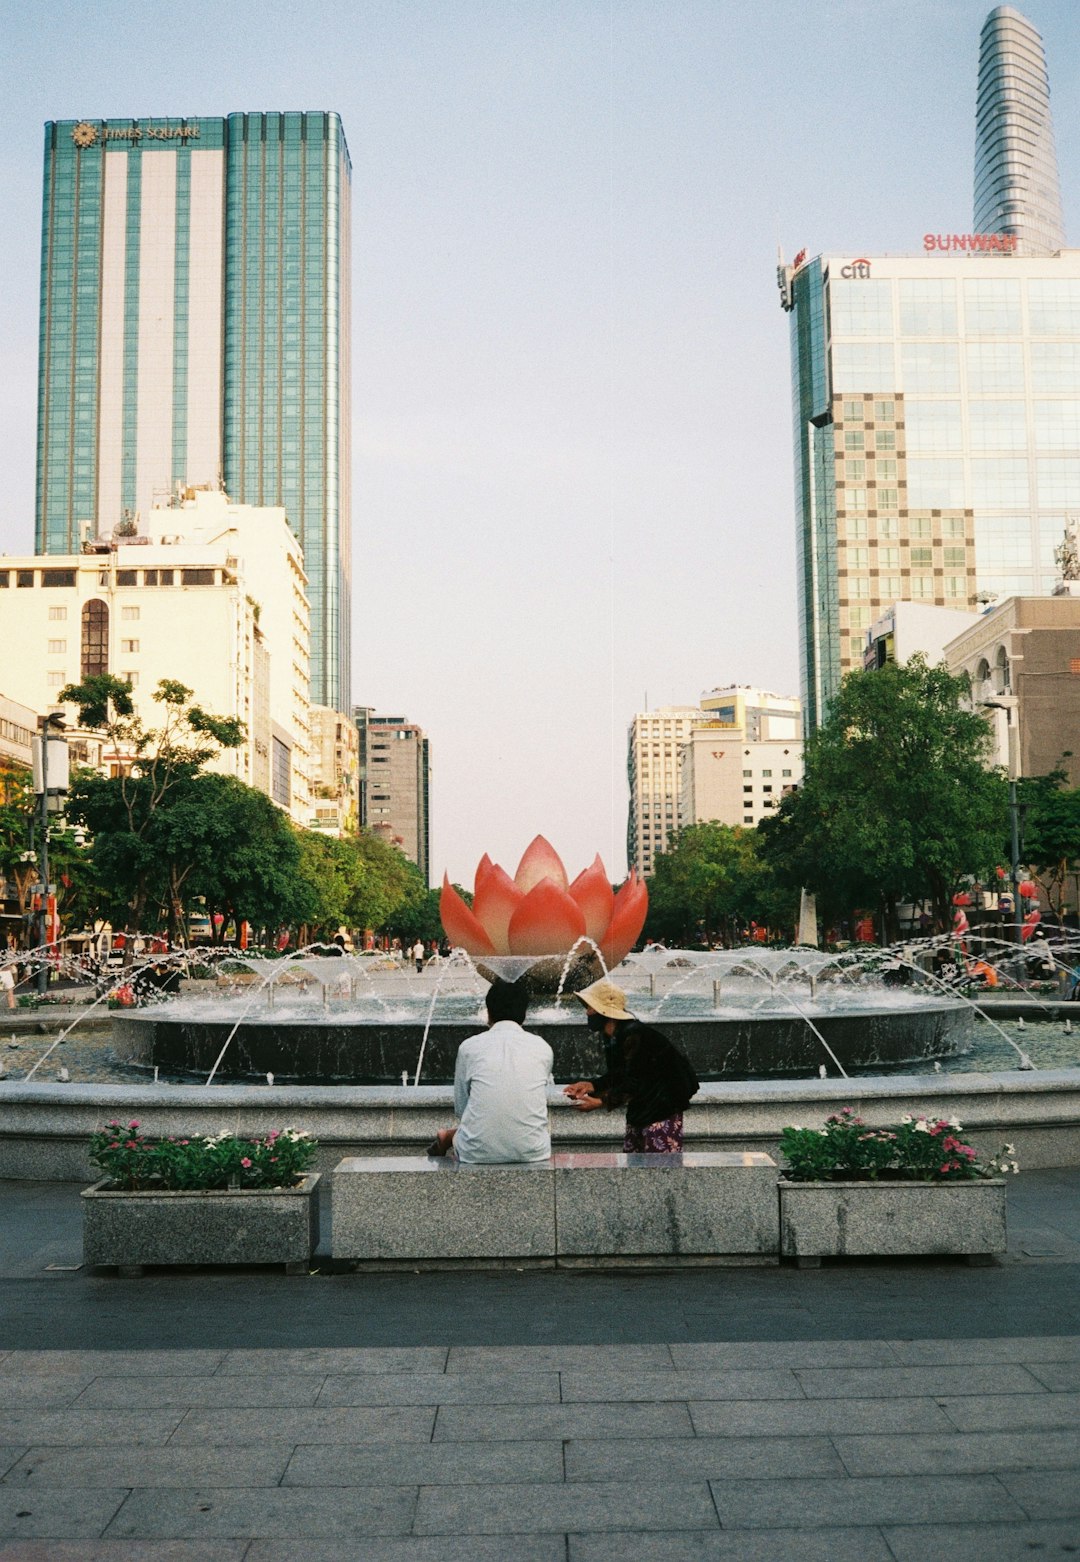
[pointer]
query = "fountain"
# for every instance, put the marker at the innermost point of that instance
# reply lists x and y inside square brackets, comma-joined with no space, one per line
[318,1019]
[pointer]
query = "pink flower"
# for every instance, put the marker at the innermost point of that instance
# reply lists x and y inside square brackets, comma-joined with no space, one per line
[134,1123]
[245,1161]
[538,912]
[131,1145]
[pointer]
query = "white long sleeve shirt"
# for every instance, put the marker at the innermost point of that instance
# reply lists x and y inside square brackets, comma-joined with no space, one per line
[500,1096]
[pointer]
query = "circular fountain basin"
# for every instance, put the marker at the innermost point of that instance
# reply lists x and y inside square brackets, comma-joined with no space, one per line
[343,1047]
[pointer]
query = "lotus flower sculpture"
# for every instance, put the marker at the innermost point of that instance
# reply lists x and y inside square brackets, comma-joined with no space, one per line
[540,913]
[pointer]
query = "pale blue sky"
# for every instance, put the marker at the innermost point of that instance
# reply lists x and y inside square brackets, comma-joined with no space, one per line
[571,382]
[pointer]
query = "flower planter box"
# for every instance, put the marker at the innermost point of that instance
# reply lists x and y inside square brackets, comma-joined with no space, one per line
[219,1226]
[891,1219]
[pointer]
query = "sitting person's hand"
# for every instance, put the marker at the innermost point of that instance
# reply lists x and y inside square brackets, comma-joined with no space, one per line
[587,1103]
[583,1087]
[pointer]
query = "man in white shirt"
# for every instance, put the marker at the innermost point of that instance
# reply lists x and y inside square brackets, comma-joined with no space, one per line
[501,1081]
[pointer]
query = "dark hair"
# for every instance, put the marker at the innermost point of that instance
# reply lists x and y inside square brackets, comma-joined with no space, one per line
[507,1001]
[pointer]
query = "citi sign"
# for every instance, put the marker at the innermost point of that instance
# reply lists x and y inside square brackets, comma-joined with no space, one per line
[970,243]
[855,269]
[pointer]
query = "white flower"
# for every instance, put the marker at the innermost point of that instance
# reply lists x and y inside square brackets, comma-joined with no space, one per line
[1010,1149]
[920,1126]
[955,1124]
[907,1118]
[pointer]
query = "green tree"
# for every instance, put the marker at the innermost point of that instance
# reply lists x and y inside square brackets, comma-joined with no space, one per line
[897,802]
[710,884]
[1051,833]
[231,846]
[123,813]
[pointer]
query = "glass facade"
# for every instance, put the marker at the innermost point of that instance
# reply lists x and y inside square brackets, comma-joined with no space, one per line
[195,332]
[937,439]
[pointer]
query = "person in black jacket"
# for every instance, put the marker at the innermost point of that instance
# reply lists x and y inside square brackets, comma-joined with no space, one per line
[644,1073]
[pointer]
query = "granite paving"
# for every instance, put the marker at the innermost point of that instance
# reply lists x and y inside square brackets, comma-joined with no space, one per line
[906,1411]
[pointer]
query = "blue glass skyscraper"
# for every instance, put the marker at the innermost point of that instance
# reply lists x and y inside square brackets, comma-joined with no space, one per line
[195,331]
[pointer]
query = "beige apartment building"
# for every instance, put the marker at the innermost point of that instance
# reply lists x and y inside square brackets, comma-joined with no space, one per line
[654,743]
[210,593]
[335,772]
[742,758]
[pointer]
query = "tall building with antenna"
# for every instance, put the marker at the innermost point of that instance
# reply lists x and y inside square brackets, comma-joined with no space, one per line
[1017,190]
[195,333]
[937,394]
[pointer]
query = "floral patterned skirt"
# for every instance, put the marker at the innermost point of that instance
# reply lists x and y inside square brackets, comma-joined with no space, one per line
[663,1138]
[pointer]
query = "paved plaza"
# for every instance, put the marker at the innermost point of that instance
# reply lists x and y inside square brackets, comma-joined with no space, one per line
[866,1410]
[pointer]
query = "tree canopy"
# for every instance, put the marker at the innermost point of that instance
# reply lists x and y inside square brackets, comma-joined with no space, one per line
[897,802]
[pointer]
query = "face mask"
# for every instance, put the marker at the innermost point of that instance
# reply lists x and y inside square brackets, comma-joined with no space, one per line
[595,1021]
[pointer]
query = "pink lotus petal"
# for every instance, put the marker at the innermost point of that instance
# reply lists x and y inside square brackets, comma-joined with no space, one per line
[460,926]
[627,920]
[483,868]
[594,895]
[541,861]
[497,898]
[547,922]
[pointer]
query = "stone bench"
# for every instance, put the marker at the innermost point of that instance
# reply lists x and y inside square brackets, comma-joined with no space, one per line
[575,1210]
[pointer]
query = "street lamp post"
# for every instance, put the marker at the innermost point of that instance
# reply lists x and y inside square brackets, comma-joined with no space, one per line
[51,784]
[1008,703]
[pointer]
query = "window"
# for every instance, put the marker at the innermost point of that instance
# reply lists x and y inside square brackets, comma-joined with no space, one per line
[855,471]
[922,586]
[127,577]
[5,577]
[885,471]
[748,788]
[866,364]
[935,482]
[131,679]
[55,680]
[855,499]
[888,526]
[997,368]
[57,614]
[992,307]
[955,558]
[919,526]
[130,614]
[997,425]
[129,647]
[922,558]
[999,483]
[56,647]
[853,411]
[952,526]
[196,577]
[769,774]
[24,577]
[885,439]
[930,366]
[890,588]
[858,558]
[748,772]
[887,498]
[785,772]
[955,586]
[58,577]
[861,308]
[280,772]
[934,426]
[927,307]
[884,411]
[854,439]
[856,525]
[95,639]
[858,586]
